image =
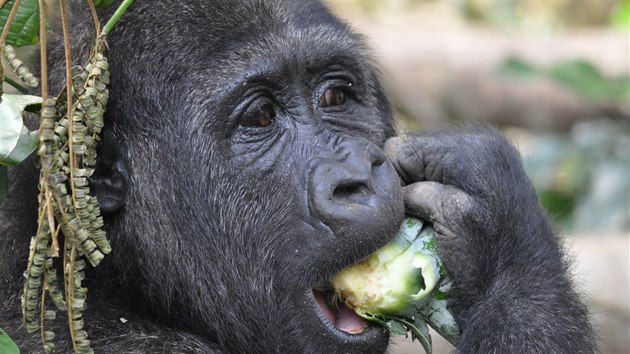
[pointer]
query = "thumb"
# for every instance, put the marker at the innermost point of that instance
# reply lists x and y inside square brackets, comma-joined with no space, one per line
[443,205]
[449,209]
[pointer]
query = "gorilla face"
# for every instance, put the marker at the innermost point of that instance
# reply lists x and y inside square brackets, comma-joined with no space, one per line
[241,167]
[245,147]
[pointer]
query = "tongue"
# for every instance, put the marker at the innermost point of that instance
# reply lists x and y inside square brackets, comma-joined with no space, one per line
[344,318]
[321,301]
[350,322]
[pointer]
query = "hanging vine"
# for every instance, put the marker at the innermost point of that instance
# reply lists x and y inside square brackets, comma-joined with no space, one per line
[69,131]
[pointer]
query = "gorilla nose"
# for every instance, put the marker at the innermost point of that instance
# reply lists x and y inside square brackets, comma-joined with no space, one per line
[358,191]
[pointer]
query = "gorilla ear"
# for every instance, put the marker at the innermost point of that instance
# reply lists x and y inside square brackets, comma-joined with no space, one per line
[110,178]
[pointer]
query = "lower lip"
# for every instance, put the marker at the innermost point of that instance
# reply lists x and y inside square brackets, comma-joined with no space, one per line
[372,332]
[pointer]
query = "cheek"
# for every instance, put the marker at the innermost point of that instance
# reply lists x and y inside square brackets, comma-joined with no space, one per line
[266,217]
[252,205]
[260,153]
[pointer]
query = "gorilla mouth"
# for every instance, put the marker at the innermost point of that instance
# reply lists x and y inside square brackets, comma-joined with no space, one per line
[338,314]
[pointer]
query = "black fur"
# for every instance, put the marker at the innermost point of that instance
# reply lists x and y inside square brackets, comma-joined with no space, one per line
[220,230]
[513,291]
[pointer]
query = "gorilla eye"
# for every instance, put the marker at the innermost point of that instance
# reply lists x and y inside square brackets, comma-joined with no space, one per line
[332,97]
[260,116]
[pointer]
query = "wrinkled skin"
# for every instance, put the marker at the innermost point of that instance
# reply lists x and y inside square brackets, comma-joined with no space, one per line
[242,163]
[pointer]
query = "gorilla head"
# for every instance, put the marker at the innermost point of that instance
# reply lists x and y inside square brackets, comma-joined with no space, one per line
[240,167]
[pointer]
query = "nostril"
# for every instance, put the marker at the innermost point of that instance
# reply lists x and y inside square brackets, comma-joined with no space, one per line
[345,190]
[352,192]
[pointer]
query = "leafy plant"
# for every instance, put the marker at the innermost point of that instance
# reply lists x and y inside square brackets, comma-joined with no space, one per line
[70,126]
[403,286]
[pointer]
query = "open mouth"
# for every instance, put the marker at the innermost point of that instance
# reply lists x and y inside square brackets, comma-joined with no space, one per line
[337,313]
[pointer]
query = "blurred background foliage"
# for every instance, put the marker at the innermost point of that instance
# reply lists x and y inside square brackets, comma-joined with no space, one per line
[516,13]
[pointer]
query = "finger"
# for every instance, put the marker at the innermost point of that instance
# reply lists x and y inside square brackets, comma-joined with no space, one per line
[460,159]
[444,206]
[406,157]
[447,208]
[424,157]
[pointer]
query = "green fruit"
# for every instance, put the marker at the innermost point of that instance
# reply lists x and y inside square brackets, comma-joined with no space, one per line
[403,286]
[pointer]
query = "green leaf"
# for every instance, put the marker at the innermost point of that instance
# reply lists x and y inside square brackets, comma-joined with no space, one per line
[7,346]
[395,327]
[16,142]
[25,27]
[420,331]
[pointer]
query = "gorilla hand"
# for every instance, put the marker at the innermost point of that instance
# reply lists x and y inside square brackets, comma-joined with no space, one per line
[469,185]
[512,289]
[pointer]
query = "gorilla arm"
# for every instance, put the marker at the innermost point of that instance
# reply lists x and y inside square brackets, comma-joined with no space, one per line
[513,294]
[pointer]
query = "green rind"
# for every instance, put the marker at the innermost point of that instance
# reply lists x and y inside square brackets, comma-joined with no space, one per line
[414,248]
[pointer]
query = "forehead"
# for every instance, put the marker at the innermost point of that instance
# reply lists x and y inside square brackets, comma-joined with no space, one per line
[276,41]
[197,33]
[291,35]
[220,28]
[209,45]
[293,48]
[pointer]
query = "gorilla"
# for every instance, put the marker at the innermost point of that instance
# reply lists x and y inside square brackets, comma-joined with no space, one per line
[249,154]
